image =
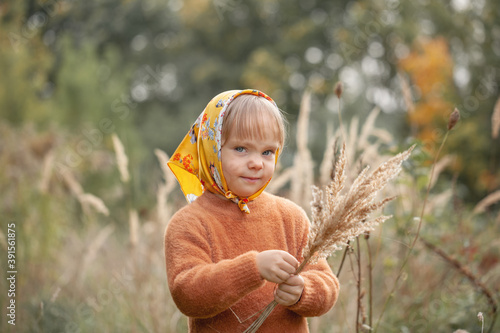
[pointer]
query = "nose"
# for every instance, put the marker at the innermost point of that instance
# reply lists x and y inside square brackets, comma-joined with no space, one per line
[255,162]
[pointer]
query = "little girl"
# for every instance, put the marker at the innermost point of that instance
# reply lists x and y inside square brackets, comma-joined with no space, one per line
[235,248]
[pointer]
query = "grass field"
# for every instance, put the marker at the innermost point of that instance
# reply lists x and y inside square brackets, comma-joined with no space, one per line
[89,257]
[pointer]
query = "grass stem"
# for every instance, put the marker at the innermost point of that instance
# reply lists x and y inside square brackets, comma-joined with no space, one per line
[358,283]
[412,246]
[370,280]
[346,250]
[471,277]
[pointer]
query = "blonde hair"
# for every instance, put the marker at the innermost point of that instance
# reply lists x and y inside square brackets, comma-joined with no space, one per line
[246,115]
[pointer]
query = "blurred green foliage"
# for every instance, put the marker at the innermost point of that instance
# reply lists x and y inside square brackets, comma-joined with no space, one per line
[149,64]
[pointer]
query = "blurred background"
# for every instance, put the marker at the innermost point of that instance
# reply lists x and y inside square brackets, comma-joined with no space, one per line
[95,95]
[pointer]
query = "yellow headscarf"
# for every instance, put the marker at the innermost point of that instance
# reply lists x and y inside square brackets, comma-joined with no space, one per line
[197,161]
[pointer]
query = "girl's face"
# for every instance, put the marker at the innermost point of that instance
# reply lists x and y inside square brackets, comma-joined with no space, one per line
[248,164]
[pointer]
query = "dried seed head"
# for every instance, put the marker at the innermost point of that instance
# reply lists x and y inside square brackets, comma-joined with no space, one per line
[480,316]
[90,200]
[454,117]
[339,88]
[121,158]
[495,120]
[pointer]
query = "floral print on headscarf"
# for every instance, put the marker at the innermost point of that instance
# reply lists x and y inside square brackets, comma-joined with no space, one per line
[197,161]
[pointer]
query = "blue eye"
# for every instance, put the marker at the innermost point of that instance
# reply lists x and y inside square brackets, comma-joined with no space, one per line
[268,152]
[239,149]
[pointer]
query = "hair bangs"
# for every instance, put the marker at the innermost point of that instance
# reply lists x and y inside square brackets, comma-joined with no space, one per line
[254,117]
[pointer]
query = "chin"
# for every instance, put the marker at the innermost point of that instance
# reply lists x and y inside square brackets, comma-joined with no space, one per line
[246,194]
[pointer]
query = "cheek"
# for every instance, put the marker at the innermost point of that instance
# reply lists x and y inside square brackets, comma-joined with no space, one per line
[270,167]
[225,160]
[228,167]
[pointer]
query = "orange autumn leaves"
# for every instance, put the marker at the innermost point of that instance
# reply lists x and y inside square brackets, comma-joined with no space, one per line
[430,68]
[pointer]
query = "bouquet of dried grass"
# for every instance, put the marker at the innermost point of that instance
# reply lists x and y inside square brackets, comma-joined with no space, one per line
[339,216]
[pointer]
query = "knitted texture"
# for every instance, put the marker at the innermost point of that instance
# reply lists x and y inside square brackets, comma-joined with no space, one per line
[210,251]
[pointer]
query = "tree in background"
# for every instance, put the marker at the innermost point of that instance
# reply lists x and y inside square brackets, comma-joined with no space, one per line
[430,67]
[163,60]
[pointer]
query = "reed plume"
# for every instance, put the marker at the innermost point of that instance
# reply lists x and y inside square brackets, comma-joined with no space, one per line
[134,227]
[3,241]
[121,158]
[407,95]
[368,127]
[453,119]
[164,189]
[168,176]
[72,184]
[86,200]
[89,200]
[495,120]
[441,165]
[487,201]
[48,165]
[303,164]
[340,216]
[339,89]
[328,162]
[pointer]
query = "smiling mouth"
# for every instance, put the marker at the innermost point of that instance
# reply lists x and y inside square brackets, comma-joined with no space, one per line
[251,179]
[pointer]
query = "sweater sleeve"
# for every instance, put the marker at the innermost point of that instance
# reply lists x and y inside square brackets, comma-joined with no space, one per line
[199,287]
[321,286]
[321,289]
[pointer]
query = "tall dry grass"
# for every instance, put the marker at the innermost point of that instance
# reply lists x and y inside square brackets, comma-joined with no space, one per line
[163,209]
[303,163]
[340,216]
[495,120]
[80,267]
[82,270]
[412,204]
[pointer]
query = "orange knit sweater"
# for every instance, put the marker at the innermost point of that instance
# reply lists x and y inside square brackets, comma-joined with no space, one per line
[210,251]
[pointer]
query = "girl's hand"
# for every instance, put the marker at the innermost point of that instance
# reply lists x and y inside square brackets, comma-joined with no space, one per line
[289,292]
[276,266]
